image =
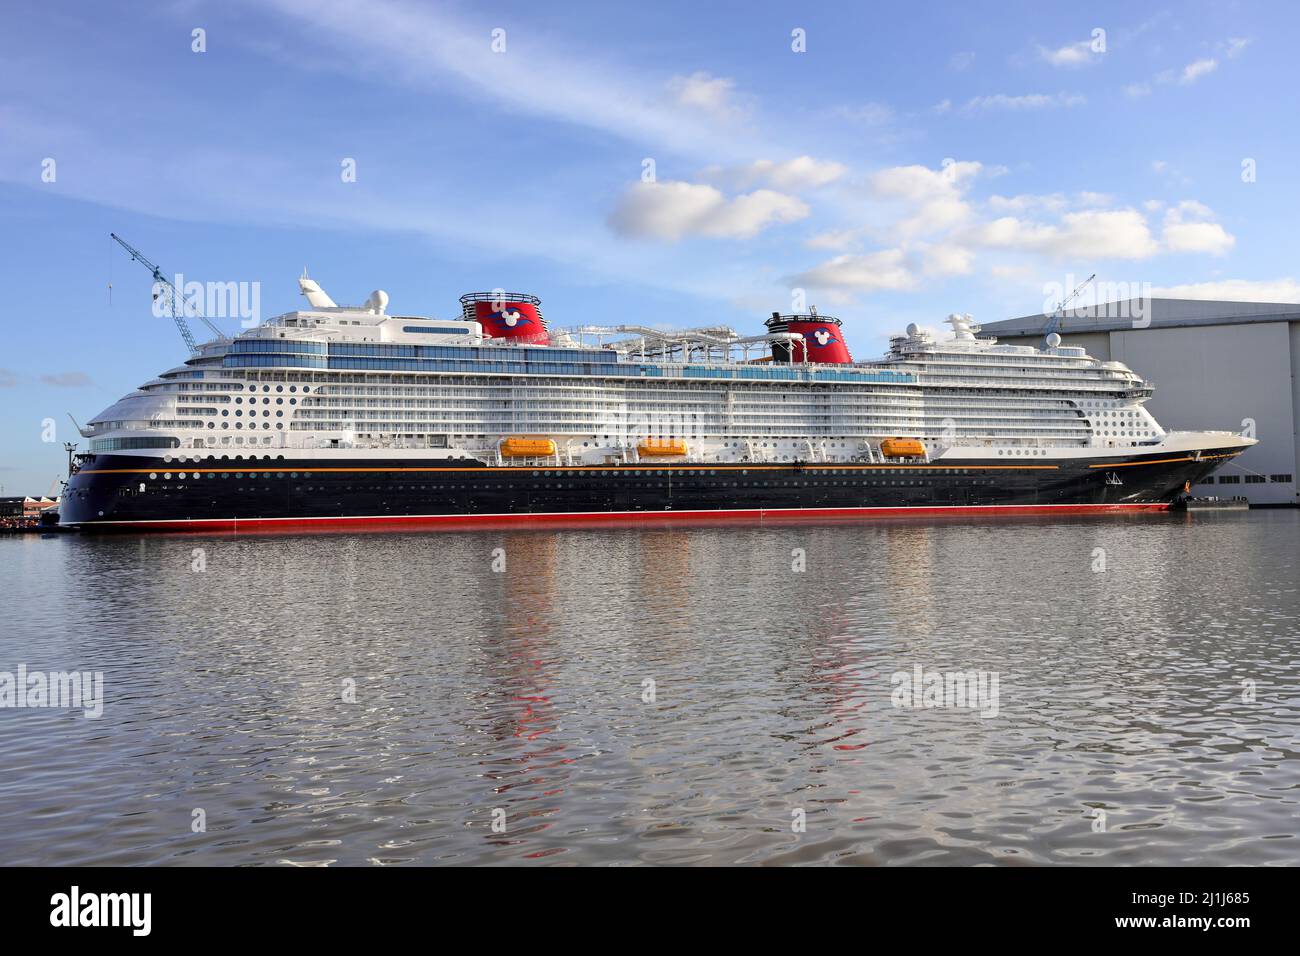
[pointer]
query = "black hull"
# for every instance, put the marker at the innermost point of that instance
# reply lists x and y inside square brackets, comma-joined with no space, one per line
[133,493]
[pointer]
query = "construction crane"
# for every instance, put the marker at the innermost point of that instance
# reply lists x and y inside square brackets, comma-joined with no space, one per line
[174,302]
[1059,312]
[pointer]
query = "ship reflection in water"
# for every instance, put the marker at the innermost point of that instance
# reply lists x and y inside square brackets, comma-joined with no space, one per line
[679,695]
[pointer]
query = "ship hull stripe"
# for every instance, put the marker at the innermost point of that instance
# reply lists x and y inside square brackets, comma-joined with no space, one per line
[759,514]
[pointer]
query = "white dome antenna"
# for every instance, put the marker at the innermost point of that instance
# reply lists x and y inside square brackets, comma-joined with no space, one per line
[377,302]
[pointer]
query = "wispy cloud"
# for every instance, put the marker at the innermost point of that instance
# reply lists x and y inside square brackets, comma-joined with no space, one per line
[792,175]
[1195,70]
[427,47]
[868,114]
[1027,101]
[714,95]
[959,62]
[1070,55]
[1233,46]
[67,379]
[1235,290]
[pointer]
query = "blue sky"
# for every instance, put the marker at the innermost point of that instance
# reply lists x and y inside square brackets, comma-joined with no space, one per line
[909,163]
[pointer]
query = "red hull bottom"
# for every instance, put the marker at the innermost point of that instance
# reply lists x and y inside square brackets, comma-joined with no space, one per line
[614,518]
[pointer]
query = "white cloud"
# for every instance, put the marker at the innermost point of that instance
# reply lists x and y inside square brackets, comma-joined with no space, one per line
[947,259]
[918,183]
[1194,71]
[1136,90]
[1088,234]
[883,271]
[1189,228]
[1072,54]
[943,106]
[1088,198]
[802,172]
[714,95]
[1192,208]
[935,196]
[1207,237]
[1028,101]
[1235,290]
[676,210]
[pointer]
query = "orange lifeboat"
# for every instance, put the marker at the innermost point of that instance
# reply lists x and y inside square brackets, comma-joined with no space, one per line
[661,448]
[527,448]
[902,448]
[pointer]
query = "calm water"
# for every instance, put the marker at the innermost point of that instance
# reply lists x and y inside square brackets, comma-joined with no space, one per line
[522,691]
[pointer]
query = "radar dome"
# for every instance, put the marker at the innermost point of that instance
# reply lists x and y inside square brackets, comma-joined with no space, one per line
[377,302]
[913,329]
[1053,340]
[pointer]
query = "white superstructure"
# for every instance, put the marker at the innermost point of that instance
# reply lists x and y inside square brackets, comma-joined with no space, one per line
[358,382]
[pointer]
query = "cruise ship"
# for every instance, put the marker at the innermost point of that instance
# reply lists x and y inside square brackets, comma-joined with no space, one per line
[351,417]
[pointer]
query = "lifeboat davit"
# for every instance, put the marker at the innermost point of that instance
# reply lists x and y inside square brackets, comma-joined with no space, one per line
[822,339]
[507,315]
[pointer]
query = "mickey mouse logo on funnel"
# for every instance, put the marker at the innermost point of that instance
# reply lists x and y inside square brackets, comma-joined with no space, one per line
[822,340]
[509,315]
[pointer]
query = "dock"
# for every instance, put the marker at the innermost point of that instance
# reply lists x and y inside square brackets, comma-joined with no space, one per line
[1213,504]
